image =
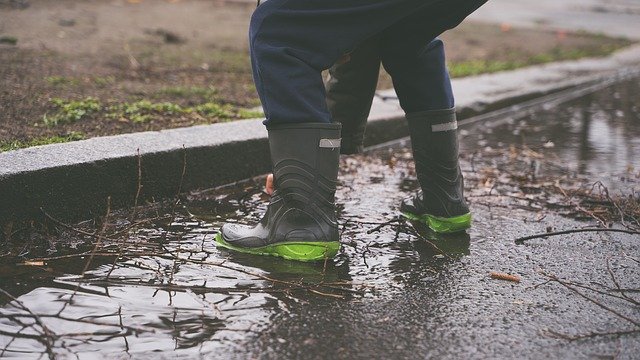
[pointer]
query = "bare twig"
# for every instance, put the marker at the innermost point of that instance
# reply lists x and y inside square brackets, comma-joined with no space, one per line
[574,290]
[395,220]
[184,171]
[571,231]
[67,226]
[591,334]
[49,336]
[617,284]
[99,236]
[138,188]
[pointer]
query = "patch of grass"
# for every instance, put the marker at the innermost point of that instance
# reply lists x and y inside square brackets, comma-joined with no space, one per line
[208,93]
[45,140]
[6,39]
[210,109]
[558,53]
[147,106]
[476,67]
[61,81]
[70,111]
[104,81]
[249,114]
[144,111]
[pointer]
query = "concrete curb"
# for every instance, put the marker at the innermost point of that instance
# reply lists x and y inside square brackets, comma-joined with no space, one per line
[74,180]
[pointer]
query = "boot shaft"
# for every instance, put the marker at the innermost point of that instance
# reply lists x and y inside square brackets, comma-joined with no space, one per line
[305,162]
[305,169]
[300,222]
[434,142]
[433,135]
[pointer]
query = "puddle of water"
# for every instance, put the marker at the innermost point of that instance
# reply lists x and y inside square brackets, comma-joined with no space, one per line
[171,289]
[596,135]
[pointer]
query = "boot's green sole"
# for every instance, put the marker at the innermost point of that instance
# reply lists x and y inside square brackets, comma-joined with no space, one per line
[442,225]
[299,251]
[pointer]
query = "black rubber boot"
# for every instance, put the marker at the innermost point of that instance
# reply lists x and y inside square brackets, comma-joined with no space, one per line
[350,89]
[440,204]
[300,222]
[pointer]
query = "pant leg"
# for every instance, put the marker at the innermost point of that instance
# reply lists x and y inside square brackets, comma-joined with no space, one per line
[427,85]
[417,65]
[292,41]
[350,90]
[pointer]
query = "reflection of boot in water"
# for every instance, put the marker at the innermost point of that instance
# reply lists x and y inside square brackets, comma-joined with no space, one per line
[440,204]
[300,222]
[450,244]
[310,273]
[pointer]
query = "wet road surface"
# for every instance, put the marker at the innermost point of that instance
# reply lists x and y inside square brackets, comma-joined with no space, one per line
[610,17]
[395,291]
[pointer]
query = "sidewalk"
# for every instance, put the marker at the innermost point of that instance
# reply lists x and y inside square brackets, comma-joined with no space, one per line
[609,17]
[75,179]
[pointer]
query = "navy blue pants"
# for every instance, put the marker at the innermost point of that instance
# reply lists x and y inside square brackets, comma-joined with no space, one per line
[292,41]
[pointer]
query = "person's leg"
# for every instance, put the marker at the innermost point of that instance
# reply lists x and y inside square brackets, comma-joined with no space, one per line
[350,89]
[292,41]
[415,62]
[427,85]
[426,96]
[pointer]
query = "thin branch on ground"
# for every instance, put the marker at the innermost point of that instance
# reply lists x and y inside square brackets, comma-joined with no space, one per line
[48,338]
[99,236]
[591,335]
[612,275]
[596,302]
[138,189]
[398,220]
[521,240]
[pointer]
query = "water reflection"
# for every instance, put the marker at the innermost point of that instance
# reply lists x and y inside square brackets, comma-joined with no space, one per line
[596,134]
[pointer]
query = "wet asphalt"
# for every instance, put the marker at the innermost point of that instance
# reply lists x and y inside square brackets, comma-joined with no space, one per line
[610,17]
[402,292]
[448,307]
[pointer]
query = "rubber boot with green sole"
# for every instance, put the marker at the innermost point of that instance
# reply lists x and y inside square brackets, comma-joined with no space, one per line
[300,222]
[440,203]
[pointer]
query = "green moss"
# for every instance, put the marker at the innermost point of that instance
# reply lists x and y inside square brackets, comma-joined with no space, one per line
[20,144]
[70,111]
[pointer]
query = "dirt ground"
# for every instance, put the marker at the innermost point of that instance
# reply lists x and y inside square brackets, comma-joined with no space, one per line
[77,69]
